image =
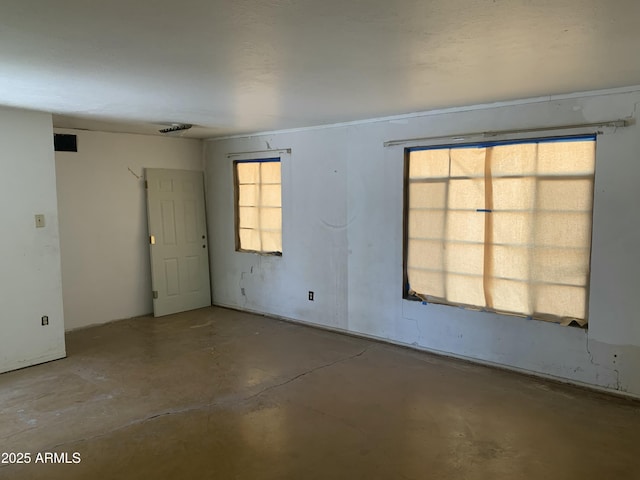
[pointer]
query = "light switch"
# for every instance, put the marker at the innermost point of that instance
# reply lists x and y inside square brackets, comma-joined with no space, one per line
[39,220]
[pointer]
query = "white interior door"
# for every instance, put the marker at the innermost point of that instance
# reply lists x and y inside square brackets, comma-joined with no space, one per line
[178,240]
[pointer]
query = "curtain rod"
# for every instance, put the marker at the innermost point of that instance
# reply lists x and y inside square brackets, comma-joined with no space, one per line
[256,152]
[612,124]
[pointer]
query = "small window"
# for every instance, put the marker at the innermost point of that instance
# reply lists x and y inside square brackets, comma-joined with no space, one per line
[258,206]
[502,227]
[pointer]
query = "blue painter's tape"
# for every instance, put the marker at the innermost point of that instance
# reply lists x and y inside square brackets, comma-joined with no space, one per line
[259,160]
[572,138]
[486,210]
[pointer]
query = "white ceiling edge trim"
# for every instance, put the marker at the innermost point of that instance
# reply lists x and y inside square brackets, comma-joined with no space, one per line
[441,111]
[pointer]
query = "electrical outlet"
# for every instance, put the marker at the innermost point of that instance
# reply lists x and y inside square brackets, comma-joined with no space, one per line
[310,296]
[39,220]
[45,320]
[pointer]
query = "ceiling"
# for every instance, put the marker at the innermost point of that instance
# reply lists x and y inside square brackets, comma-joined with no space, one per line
[241,66]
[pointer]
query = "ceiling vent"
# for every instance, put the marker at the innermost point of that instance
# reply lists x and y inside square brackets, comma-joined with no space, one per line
[175,127]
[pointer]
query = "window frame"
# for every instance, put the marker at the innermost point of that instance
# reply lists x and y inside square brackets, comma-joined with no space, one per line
[412,147]
[236,202]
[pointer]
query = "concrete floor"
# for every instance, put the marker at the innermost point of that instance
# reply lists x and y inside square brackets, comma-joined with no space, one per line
[219,394]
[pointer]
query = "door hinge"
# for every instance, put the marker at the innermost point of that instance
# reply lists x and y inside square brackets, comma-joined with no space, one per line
[152,239]
[155,294]
[146,184]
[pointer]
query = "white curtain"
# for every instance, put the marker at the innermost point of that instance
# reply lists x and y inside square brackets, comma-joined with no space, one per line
[259,213]
[505,228]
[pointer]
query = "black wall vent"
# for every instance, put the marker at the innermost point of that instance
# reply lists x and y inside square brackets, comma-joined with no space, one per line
[65,143]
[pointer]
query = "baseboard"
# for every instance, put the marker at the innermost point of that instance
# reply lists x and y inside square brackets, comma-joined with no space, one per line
[32,362]
[440,353]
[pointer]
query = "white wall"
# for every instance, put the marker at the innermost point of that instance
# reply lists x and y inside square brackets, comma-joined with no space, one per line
[30,283]
[342,238]
[103,221]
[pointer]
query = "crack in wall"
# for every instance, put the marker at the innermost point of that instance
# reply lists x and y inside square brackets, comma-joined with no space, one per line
[596,364]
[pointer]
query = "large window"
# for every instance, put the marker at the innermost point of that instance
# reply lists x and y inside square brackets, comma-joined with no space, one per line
[258,206]
[503,227]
